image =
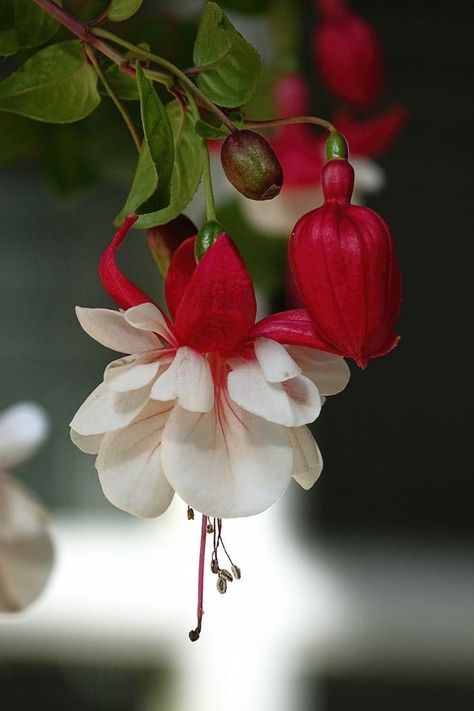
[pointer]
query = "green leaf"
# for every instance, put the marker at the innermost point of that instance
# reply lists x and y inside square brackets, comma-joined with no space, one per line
[123,85]
[230,66]
[206,130]
[159,140]
[23,24]
[186,171]
[120,10]
[55,85]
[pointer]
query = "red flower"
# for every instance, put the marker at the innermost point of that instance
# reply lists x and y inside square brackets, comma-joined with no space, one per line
[344,263]
[371,136]
[349,55]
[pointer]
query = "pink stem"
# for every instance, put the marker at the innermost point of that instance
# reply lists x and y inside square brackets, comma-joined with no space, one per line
[194,634]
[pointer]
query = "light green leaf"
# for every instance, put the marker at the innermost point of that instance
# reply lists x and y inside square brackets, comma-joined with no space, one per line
[186,171]
[123,85]
[159,140]
[120,10]
[55,85]
[230,66]
[23,24]
[206,130]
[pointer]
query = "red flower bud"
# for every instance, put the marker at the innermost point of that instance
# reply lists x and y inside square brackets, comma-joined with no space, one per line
[164,240]
[251,165]
[349,55]
[344,263]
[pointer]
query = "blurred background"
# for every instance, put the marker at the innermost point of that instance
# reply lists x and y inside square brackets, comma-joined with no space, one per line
[355,595]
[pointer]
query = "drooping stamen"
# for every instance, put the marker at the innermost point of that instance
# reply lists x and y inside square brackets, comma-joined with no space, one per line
[194,634]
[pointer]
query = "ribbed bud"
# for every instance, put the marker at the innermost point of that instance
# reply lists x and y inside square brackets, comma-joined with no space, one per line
[251,165]
[164,240]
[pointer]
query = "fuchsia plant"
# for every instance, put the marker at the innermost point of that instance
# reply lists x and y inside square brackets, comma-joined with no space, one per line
[205,401]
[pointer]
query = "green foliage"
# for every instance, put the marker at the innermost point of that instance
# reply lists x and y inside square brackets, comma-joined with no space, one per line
[120,10]
[55,85]
[124,86]
[23,25]
[187,169]
[231,65]
[206,130]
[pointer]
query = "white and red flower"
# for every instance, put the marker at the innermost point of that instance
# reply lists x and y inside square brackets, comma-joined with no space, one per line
[26,551]
[209,404]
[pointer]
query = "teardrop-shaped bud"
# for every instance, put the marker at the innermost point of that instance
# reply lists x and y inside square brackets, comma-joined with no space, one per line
[349,55]
[251,165]
[164,240]
[206,237]
[344,263]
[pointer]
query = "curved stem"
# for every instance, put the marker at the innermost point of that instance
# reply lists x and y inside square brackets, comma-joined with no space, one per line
[269,123]
[123,111]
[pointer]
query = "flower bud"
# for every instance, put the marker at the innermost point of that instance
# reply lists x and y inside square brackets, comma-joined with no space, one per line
[349,55]
[251,165]
[344,263]
[164,240]
[206,237]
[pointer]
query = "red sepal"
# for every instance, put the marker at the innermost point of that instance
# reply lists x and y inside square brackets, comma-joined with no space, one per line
[217,309]
[180,272]
[292,328]
[372,136]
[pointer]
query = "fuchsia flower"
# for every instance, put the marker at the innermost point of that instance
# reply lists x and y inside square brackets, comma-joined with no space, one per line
[208,403]
[344,263]
[349,55]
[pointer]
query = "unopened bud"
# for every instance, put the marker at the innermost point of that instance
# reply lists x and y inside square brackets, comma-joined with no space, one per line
[236,572]
[336,146]
[164,240]
[221,585]
[251,165]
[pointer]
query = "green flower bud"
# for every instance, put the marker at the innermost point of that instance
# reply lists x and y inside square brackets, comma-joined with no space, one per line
[206,237]
[336,146]
[251,165]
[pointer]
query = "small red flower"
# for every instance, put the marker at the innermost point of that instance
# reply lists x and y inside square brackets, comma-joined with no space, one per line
[349,55]
[344,263]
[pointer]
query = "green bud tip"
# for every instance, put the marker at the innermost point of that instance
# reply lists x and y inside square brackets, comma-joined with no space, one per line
[206,237]
[336,146]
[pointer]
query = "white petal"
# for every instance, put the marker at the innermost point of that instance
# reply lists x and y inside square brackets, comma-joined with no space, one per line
[369,176]
[308,462]
[26,552]
[23,427]
[105,411]
[89,444]
[129,465]
[149,318]
[111,330]
[230,465]
[189,380]
[292,403]
[132,372]
[275,361]
[330,373]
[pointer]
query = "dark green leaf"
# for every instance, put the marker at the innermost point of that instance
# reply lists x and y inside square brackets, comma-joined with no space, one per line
[159,140]
[230,66]
[23,24]
[55,85]
[205,130]
[120,10]
[186,171]
[123,85]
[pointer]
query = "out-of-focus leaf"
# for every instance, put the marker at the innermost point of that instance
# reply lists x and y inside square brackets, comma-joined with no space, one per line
[24,24]
[120,10]
[66,159]
[231,65]
[186,175]
[55,85]
[18,138]
[123,85]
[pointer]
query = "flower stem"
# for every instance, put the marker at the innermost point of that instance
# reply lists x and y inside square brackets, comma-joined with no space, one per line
[194,634]
[269,123]
[123,111]
[207,184]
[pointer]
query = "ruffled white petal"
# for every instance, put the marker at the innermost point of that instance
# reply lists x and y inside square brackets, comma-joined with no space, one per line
[275,361]
[111,330]
[227,466]
[308,462]
[292,403]
[148,317]
[330,373]
[188,380]
[132,372]
[129,465]
[23,427]
[105,410]
[89,444]
[26,551]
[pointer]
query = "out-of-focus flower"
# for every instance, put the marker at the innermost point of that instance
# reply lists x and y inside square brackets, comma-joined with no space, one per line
[344,263]
[164,240]
[349,54]
[26,551]
[210,404]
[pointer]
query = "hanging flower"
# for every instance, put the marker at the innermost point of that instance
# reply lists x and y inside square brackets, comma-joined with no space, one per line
[26,552]
[209,404]
[344,263]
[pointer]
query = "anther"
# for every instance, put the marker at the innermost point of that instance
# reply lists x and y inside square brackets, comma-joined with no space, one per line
[223,573]
[221,585]
[190,514]
[210,528]
[236,572]
[214,566]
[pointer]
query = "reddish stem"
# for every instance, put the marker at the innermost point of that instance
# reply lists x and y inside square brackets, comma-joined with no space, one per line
[194,634]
